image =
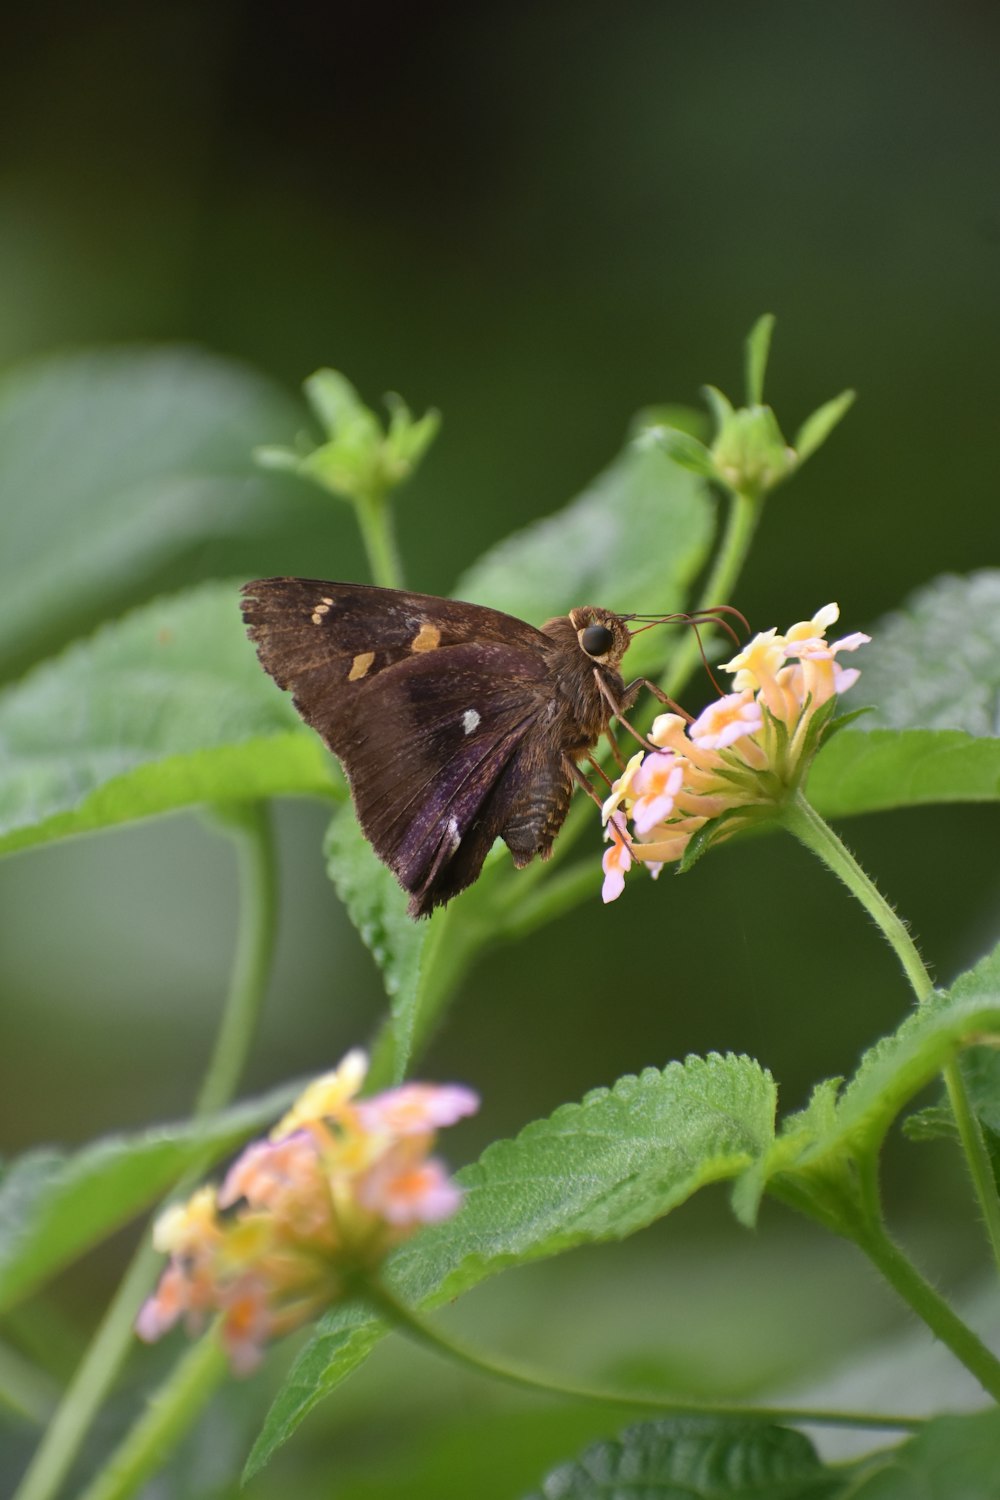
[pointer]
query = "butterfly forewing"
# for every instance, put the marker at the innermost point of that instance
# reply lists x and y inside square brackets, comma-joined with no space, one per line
[429,703]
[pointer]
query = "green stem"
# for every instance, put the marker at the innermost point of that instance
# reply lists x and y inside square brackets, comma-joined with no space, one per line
[410,1322]
[980,1168]
[25,1390]
[111,1343]
[800,818]
[164,1422]
[930,1306]
[378,532]
[741,523]
[803,820]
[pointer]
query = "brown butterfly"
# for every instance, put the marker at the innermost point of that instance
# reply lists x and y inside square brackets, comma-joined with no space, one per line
[456,724]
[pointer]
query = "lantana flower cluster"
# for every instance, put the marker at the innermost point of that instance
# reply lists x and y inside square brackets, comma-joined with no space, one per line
[740,759]
[337,1184]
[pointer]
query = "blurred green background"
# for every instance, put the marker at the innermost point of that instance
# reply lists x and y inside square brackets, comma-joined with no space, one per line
[537,218]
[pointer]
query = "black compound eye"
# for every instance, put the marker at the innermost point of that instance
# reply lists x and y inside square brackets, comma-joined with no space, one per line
[597,640]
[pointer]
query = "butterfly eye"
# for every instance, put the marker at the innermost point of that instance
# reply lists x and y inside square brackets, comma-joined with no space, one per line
[597,640]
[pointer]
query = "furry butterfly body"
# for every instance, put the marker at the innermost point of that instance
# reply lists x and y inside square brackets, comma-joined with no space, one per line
[455,724]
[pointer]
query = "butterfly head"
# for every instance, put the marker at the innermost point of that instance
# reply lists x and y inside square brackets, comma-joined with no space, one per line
[601,635]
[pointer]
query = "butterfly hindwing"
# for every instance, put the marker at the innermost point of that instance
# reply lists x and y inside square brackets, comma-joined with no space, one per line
[429,754]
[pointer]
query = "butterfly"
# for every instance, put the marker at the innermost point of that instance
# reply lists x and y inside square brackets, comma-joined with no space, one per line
[456,724]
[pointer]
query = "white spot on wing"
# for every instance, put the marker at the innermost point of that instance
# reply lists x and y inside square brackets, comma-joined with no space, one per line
[456,837]
[470,720]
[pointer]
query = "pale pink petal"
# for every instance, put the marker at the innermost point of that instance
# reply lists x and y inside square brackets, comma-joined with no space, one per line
[649,811]
[416,1108]
[406,1192]
[726,721]
[844,678]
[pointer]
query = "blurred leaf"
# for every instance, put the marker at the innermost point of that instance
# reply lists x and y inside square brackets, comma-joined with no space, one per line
[935,664]
[952,1458]
[936,1122]
[758,348]
[54,1206]
[113,462]
[591,1172]
[684,450]
[932,674]
[697,1458]
[376,904]
[817,428]
[817,1145]
[633,542]
[166,708]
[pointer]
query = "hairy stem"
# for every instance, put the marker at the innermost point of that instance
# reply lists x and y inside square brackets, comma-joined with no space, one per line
[931,1307]
[97,1371]
[423,1332]
[803,820]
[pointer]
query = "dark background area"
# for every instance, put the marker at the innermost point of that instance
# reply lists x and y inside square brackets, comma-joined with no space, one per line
[537,218]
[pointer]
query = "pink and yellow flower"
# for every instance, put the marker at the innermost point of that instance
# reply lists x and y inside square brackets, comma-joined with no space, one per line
[745,754]
[338,1183]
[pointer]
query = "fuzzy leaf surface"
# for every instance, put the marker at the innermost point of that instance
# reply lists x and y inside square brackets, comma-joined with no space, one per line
[839,1124]
[633,541]
[113,462]
[55,1205]
[164,709]
[695,1458]
[595,1171]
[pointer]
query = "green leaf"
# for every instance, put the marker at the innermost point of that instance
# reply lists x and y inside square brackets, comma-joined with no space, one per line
[860,772]
[814,1148]
[696,1458]
[376,904]
[591,1172]
[112,463]
[166,708]
[932,675]
[758,347]
[817,428]
[952,1458]
[633,541]
[54,1205]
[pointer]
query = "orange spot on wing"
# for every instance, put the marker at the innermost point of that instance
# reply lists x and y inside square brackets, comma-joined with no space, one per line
[360,665]
[427,638]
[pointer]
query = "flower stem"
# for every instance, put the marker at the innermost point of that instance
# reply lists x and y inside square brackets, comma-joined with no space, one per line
[378,532]
[803,820]
[741,523]
[930,1306]
[404,1318]
[166,1419]
[800,818]
[110,1345]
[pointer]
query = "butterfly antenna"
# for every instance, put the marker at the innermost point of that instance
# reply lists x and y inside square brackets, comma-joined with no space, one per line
[717,615]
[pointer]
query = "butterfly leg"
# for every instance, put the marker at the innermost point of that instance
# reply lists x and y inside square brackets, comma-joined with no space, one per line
[584,781]
[618,710]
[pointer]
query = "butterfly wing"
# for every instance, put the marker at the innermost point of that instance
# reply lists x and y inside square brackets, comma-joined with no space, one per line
[427,702]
